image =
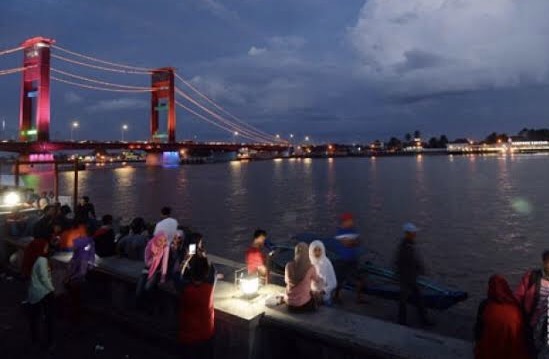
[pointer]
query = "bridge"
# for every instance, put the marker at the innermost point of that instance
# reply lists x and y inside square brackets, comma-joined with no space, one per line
[167,90]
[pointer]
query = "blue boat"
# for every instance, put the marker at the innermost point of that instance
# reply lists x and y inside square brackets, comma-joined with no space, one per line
[381,282]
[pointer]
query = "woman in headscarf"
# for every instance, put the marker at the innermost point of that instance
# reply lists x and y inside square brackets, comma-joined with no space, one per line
[299,274]
[500,330]
[327,283]
[156,265]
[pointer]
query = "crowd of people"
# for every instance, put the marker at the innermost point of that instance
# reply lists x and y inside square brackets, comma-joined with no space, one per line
[509,324]
[167,250]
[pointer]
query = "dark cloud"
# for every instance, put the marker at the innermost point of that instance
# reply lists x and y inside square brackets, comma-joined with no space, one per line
[347,71]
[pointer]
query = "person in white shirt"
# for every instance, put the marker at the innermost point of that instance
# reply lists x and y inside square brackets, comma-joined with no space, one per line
[168,225]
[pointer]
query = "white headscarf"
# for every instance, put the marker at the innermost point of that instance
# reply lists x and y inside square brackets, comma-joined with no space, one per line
[324,269]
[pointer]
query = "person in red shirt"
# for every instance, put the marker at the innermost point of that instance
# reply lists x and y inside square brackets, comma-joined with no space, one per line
[255,258]
[196,313]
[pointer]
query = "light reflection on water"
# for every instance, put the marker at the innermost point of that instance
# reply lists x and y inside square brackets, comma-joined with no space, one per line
[478,214]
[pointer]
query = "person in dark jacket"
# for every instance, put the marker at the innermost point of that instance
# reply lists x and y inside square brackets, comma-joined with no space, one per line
[104,238]
[409,266]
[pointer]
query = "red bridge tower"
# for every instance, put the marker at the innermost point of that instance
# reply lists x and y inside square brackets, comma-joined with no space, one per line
[163,99]
[36,85]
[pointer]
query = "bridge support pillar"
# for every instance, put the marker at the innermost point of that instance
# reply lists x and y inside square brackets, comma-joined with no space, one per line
[162,159]
[35,164]
[34,116]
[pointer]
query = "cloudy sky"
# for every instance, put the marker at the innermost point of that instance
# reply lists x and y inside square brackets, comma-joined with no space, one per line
[345,70]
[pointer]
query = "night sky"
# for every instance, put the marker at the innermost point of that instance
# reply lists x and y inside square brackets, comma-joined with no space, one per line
[337,70]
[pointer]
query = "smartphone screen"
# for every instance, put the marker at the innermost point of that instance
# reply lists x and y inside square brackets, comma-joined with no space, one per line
[192,248]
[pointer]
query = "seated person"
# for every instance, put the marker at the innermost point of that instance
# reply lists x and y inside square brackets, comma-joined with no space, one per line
[323,289]
[255,258]
[299,276]
[196,314]
[133,245]
[104,238]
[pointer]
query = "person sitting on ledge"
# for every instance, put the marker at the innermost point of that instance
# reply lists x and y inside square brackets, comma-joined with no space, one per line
[196,314]
[104,238]
[323,289]
[299,276]
[133,245]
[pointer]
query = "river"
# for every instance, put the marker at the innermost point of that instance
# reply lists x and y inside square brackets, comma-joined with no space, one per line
[478,214]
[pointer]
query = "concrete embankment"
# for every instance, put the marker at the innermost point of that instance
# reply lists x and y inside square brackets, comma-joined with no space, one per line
[246,328]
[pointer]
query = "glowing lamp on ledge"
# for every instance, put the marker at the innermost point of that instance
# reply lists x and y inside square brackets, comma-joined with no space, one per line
[12,199]
[249,286]
[246,285]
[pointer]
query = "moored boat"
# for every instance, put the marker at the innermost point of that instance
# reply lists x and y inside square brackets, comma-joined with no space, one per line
[381,282]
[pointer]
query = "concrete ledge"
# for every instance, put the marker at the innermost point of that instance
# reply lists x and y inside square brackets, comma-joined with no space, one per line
[246,328]
[356,336]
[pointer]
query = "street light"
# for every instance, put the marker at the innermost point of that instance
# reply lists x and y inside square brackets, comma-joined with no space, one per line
[124,129]
[74,126]
[307,138]
[235,135]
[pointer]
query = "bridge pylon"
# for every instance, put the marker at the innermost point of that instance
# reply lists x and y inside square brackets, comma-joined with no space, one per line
[163,99]
[34,115]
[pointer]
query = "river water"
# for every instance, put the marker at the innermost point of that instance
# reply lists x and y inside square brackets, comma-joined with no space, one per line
[478,214]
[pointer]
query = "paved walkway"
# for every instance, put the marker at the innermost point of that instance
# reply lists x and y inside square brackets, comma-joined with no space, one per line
[112,340]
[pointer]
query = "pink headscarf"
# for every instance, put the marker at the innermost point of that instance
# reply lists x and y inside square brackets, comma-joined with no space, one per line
[156,252]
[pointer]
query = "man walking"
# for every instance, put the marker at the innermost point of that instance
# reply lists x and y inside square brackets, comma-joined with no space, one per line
[409,266]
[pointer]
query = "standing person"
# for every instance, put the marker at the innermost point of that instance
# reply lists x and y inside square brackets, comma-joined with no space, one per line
[196,314]
[500,327]
[104,238]
[156,268]
[82,259]
[85,210]
[347,267]
[41,299]
[533,295]
[168,225]
[34,250]
[409,266]
[299,275]
[327,278]
[255,257]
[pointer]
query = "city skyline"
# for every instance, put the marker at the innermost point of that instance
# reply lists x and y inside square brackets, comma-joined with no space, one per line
[358,72]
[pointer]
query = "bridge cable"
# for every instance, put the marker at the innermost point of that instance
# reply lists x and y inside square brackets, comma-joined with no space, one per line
[220,118]
[220,108]
[9,51]
[15,70]
[97,67]
[209,120]
[88,79]
[101,61]
[97,87]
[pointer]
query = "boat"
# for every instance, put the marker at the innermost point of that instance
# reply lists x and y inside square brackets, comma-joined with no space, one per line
[381,282]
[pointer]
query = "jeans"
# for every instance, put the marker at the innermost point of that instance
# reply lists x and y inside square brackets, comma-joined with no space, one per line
[409,291]
[42,309]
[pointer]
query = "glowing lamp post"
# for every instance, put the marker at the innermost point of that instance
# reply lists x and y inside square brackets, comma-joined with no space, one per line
[74,126]
[235,134]
[123,130]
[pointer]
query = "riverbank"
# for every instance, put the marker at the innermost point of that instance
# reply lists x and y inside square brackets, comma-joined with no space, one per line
[246,328]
